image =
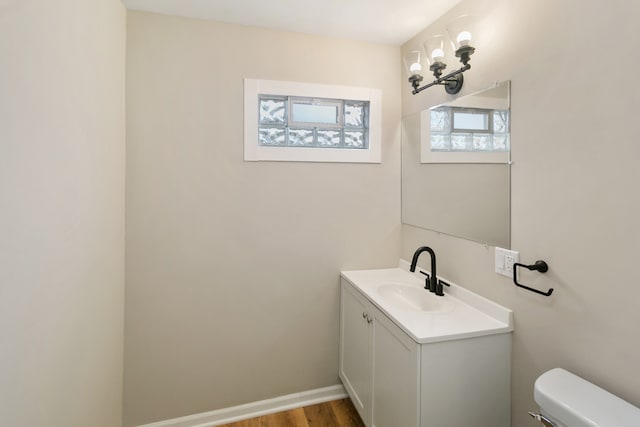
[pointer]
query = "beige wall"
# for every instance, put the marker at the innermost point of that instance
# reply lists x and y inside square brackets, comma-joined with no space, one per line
[232,266]
[62,130]
[574,197]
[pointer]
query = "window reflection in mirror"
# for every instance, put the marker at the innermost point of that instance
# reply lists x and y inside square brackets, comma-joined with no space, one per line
[455,195]
[470,129]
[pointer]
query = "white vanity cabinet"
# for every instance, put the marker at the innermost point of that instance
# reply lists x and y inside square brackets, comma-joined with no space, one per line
[396,381]
[379,364]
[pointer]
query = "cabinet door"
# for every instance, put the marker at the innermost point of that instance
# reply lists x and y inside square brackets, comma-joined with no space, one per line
[396,376]
[355,350]
[469,382]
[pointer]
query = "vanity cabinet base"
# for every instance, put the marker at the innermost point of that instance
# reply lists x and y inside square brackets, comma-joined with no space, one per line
[394,381]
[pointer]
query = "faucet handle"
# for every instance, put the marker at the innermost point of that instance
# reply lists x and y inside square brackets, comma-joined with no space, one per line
[427,279]
[440,287]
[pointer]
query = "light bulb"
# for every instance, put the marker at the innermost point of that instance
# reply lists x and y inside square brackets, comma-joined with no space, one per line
[464,38]
[437,54]
[415,68]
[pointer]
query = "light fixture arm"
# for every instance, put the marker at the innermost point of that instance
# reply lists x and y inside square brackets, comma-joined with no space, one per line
[452,81]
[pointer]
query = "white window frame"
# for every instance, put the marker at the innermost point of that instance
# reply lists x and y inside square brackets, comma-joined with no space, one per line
[253,151]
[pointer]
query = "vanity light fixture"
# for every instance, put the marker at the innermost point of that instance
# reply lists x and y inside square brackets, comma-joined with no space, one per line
[460,34]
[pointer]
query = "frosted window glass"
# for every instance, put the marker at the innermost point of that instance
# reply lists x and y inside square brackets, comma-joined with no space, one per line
[440,120]
[440,142]
[470,120]
[329,138]
[501,142]
[354,139]
[309,113]
[469,129]
[461,141]
[273,111]
[313,122]
[501,121]
[354,115]
[272,136]
[269,104]
[301,137]
[482,142]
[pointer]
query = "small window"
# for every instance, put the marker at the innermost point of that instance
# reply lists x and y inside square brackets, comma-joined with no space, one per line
[293,123]
[313,122]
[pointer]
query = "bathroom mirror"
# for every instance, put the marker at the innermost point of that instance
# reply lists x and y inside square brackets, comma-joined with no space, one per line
[465,196]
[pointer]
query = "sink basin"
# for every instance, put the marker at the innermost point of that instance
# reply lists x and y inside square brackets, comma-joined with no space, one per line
[413,298]
[426,317]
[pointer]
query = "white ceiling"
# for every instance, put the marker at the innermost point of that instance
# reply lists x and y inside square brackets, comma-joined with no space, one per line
[383,21]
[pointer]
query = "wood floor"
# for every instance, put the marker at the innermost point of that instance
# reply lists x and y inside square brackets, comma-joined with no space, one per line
[337,413]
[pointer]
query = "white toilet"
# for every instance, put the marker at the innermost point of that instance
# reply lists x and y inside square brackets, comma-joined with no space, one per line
[567,400]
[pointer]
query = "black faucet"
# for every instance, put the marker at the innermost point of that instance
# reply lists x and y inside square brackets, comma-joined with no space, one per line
[431,283]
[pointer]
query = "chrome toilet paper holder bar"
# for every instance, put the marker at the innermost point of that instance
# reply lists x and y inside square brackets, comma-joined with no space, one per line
[539,266]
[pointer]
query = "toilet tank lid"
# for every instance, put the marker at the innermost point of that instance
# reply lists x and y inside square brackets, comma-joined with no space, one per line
[579,403]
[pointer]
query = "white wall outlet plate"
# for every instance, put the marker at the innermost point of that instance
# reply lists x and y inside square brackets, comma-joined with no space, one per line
[505,260]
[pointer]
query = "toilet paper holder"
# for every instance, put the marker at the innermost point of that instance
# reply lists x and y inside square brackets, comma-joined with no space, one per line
[539,266]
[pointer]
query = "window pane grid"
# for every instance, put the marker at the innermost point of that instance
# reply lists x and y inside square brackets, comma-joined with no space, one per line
[313,122]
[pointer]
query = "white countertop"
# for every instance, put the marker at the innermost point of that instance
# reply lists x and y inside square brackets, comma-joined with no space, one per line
[464,314]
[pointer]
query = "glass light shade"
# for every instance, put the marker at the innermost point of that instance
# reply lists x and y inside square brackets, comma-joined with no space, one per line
[413,63]
[461,31]
[435,48]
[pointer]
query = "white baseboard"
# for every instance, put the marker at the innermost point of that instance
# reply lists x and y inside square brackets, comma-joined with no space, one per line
[255,409]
